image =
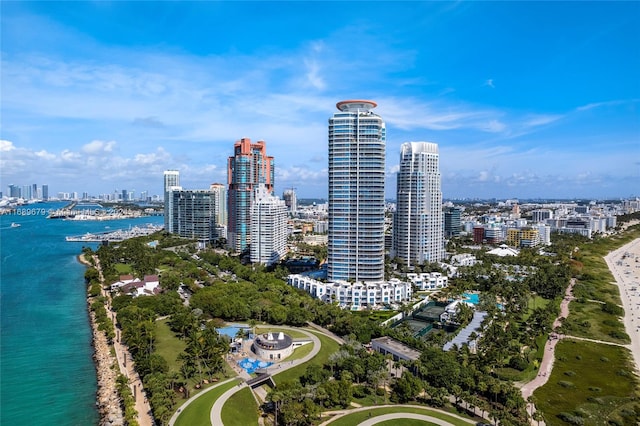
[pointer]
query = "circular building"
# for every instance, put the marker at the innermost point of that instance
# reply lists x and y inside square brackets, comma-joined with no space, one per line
[273,346]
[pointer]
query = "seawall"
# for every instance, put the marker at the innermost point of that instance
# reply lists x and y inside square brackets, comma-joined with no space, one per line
[107,397]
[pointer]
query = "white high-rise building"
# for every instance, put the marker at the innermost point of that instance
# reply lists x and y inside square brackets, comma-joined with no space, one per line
[418,222]
[356,193]
[220,195]
[171,181]
[268,227]
[291,200]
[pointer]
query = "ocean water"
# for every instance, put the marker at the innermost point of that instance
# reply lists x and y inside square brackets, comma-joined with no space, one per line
[47,375]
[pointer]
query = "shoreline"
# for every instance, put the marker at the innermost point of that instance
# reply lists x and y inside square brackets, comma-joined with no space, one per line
[108,401]
[626,272]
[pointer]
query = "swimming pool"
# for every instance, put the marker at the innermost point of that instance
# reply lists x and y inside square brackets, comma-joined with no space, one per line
[232,330]
[473,298]
[251,364]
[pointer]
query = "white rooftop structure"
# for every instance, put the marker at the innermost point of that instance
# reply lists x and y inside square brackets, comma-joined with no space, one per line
[504,250]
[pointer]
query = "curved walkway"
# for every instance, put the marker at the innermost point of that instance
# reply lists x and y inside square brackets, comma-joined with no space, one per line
[549,349]
[341,413]
[395,416]
[216,411]
[549,352]
[193,398]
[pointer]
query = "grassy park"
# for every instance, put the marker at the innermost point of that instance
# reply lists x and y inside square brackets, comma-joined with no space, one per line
[591,382]
[241,409]
[328,345]
[361,416]
[193,415]
[168,345]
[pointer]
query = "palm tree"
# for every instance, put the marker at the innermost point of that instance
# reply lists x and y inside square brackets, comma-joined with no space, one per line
[538,416]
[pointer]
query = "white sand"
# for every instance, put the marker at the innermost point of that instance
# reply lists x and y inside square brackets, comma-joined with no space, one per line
[624,264]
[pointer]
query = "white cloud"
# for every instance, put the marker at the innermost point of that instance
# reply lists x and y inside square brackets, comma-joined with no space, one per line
[6,146]
[95,147]
[540,119]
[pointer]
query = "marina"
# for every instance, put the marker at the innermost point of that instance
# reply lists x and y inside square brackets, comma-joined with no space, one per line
[117,235]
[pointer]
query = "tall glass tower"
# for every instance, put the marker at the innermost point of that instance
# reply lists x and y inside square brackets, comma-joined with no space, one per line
[356,193]
[171,180]
[249,167]
[418,221]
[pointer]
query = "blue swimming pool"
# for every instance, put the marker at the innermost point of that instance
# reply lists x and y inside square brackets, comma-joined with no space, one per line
[232,330]
[251,364]
[473,298]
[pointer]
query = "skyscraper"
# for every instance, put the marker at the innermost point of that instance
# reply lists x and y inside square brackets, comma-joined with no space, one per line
[248,167]
[193,213]
[171,180]
[452,221]
[418,221]
[356,193]
[290,199]
[268,227]
[219,191]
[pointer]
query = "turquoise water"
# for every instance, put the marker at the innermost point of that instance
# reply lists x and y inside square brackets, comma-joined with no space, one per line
[47,371]
[473,298]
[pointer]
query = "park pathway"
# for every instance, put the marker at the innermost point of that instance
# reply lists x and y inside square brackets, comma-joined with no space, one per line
[125,361]
[377,419]
[216,410]
[548,357]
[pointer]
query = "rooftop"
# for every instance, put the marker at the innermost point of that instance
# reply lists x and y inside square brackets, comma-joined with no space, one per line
[397,347]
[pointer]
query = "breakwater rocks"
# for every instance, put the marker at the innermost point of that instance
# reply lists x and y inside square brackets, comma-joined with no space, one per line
[107,399]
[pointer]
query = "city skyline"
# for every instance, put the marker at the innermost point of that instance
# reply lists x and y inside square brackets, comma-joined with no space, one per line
[525,100]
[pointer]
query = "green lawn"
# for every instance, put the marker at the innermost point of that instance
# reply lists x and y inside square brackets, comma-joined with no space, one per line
[533,303]
[591,381]
[168,345]
[328,346]
[586,319]
[197,413]
[300,352]
[241,409]
[123,268]
[359,417]
[405,422]
[595,284]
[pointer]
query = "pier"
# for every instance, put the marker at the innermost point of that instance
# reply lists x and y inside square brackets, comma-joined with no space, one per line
[115,236]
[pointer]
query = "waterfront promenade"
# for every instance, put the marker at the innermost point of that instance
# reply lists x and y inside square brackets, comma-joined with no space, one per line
[124,359]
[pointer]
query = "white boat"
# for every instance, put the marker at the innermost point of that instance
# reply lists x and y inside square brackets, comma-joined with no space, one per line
[15,225]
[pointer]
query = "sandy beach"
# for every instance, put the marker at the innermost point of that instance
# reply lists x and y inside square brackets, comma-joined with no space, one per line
[624,264]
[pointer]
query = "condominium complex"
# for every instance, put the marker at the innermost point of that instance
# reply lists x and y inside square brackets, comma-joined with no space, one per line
[219,192]
[354,295]
[290,199]
[418,220]
[268,227]
[193,214]
[247,168]
[452,221]
[171,181]
[356,193]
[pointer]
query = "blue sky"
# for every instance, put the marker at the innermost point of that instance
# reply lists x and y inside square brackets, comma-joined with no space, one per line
[525,99]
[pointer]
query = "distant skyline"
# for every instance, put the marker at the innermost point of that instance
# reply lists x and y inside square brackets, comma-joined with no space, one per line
[524,99]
